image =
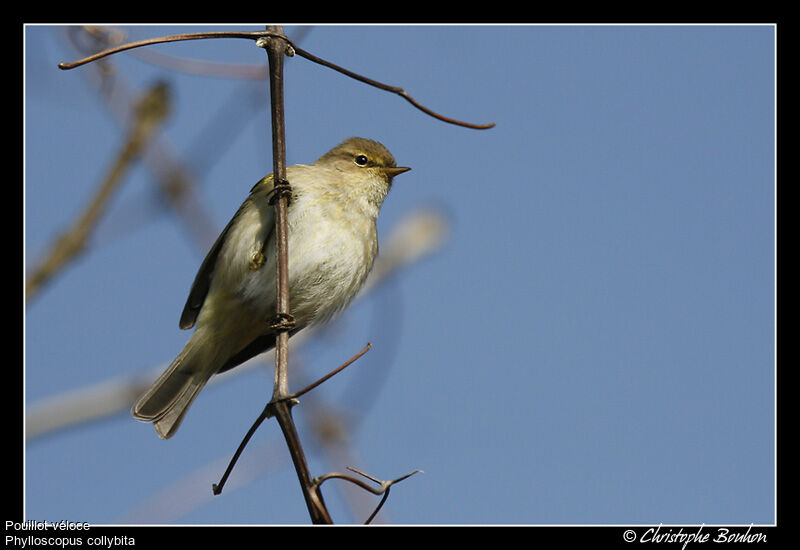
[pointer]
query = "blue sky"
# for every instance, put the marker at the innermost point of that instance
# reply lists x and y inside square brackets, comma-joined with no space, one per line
[593,343]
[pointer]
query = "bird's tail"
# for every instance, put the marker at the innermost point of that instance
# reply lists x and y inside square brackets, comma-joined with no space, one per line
[166,402]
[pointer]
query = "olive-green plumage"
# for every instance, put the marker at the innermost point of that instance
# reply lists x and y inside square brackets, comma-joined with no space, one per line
[332,242]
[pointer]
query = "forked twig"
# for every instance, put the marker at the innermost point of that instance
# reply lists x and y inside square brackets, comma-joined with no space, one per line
[202,67]
[383,488]
[267,412]
[256,35]
[276,44]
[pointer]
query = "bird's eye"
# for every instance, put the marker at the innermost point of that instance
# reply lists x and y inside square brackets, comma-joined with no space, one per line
[361,160]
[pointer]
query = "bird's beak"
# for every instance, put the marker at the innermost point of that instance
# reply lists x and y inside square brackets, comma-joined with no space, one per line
[392,172]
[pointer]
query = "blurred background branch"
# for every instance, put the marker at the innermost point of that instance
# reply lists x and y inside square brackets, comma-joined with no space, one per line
[149,115]
[633,236]
[416,237]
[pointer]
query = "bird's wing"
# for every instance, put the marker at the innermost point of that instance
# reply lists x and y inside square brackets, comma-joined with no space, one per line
[202,281]
[259,345]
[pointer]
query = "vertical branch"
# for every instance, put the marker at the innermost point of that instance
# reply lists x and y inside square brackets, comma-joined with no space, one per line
[280,406]
[275,48]
[276,44]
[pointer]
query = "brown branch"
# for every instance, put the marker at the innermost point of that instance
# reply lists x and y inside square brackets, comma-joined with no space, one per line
[252,35]
[337,370]
[394,89]
[201,67]
[275,48]
[257,35]
[150,113]
[276,44]
[383,488]
[217,487]
[280,406]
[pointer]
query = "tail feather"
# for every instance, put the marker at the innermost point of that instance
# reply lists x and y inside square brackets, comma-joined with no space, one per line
[168,424]
[166,402]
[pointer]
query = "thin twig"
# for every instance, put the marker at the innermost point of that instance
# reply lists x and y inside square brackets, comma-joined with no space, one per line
[394,89]
[267,412]
[217,487]
[335,371]
[214,69]
[256,35]
[276,44]
[252,35]
[383,488]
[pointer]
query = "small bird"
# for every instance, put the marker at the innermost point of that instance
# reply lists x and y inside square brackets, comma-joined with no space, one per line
[332,242]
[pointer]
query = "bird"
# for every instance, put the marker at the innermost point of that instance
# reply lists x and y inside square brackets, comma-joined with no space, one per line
[332,245]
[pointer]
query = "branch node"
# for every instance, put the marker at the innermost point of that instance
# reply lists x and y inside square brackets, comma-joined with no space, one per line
[280,189]
[290,400]
[382,490]
[385,484]
[282,322]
